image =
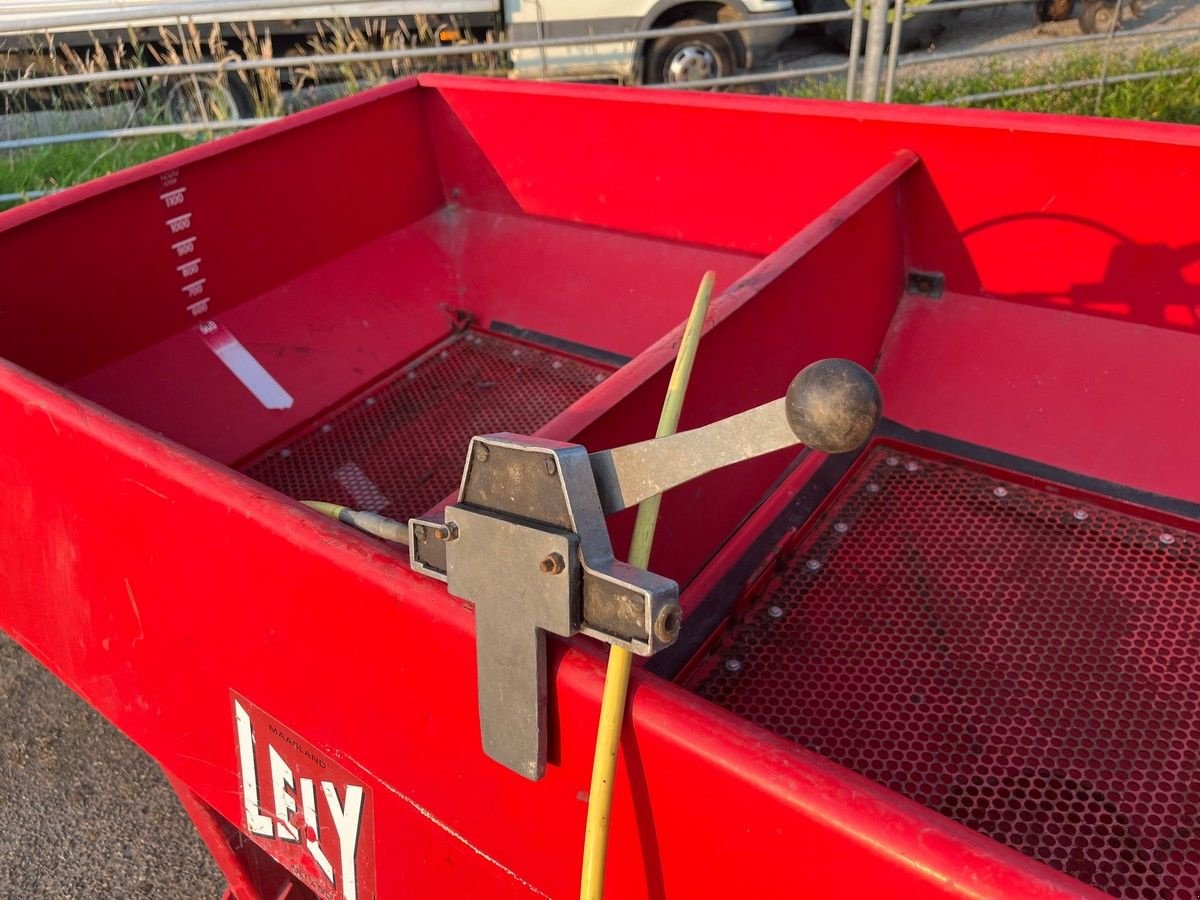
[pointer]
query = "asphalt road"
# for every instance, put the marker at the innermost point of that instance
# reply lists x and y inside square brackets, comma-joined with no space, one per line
[85,813]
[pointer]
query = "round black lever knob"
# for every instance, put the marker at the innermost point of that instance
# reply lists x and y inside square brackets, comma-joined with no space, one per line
[833,405]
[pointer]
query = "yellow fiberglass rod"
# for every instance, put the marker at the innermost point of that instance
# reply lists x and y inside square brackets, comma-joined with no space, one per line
[616,682]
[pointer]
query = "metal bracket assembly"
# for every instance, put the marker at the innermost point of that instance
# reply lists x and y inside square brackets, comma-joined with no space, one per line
[527,543]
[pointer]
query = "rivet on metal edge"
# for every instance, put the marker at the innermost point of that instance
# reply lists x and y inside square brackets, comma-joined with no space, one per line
[1081,514]
[1165,538]
[733,665]
[551,468]
[775,612]
[553,564]
[667,626]
[482,452]
[813,565]
[1000,491]
[841,527]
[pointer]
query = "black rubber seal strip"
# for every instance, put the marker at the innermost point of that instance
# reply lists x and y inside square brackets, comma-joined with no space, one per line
[717,606]
[987,456]
[549,341]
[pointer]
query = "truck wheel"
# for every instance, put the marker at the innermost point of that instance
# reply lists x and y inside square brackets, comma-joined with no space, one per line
[189,100]
[1098,17]
[1055,10]
[919,30]
[689,57]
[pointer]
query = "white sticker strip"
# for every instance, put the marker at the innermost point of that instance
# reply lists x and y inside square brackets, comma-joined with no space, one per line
[241,362]
[365,492]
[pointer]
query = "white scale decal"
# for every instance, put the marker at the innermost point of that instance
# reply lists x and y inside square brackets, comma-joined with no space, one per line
[227,348]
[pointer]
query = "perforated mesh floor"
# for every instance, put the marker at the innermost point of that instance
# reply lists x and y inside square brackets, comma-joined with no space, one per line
[1024,663]
[400,451]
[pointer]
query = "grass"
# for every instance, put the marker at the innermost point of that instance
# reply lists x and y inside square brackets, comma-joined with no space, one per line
[1161,98]
[154,100]
[50,168]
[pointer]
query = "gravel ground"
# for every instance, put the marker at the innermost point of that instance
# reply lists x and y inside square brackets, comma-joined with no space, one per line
[86,813]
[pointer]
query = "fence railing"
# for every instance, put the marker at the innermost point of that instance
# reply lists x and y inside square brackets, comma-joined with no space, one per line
[871,70]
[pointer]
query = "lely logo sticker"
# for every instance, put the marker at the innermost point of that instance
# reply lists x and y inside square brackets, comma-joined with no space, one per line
[304,808]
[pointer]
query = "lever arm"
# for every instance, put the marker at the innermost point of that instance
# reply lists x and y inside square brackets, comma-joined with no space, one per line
[833,405]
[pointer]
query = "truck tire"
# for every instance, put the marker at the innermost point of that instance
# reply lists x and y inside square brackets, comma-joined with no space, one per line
[919,31]
[1054,10]
[1098,17]
[689,57]
[190,100]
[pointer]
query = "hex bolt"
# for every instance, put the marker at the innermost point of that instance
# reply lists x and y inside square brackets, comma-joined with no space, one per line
[872,488]
[911,466]
[481,453]
[813,565]
[1081,514]
[733,665]
[1000,491]
[841,527]
[446,533]
[551,468]
[370,401]
[1166,538]
[325,429]
[553,564]
[893,460]
[775,612]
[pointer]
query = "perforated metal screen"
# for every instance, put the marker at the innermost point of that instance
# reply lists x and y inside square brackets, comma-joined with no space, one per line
[400,451]
[1024,663]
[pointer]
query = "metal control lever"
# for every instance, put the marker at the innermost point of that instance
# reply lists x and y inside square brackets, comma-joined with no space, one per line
[527,543]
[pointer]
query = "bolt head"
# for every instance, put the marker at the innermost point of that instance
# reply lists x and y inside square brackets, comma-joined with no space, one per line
[482,452]
[775,612]
[733,665]
[553,564]
[1000,491]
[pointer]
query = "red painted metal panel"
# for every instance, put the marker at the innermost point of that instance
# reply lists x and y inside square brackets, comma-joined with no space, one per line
[259,215]
[1080,392]
[374,665]
[155,582]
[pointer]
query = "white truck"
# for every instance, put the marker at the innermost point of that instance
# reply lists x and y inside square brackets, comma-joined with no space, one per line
[679,57]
